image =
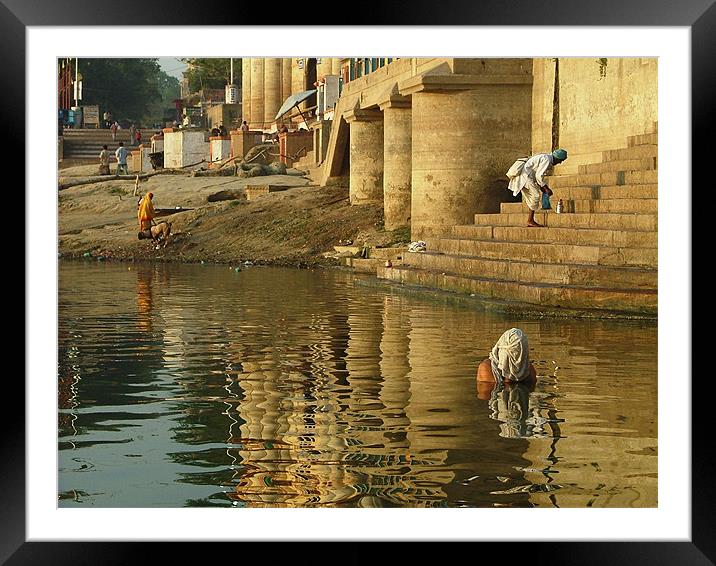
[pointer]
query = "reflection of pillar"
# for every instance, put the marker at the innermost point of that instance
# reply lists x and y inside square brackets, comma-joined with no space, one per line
[366,156]
[397,171]
[257,94]
[395,369]
[363,364]
[272,89]
[462,143]
[246,89]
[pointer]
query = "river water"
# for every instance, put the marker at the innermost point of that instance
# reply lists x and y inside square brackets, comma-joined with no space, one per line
[200,385]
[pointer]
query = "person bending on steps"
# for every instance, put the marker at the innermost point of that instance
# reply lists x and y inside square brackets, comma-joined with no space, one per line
[529,179]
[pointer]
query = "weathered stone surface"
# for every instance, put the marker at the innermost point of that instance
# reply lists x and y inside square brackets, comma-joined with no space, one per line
[458,156]
[397,167]
[366,161]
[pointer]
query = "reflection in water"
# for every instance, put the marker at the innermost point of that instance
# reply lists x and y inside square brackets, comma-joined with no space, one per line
[514,407]
[287,388]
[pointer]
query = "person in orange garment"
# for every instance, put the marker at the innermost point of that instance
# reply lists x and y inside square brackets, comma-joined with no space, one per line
[509,360]
[145,213]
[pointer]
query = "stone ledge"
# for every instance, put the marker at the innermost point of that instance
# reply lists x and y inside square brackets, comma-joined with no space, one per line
[448,83]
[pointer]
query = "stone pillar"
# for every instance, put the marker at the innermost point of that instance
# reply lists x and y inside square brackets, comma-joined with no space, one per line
[257,94]
[272,90]
[366,156]
[397,144]
[285,82]
[245,90]
[324,67]
[467,131]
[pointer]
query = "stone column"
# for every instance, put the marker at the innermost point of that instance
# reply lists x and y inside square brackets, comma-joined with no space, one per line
[324,67]
[257,94]
[285,82]
[245,90]
[467,131]
[397,144]
[366,156]
[272,90]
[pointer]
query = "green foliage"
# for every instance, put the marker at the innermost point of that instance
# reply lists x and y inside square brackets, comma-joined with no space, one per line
[211,73]
[131,89]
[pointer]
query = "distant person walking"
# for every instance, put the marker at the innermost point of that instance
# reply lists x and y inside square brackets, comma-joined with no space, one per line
[132,132]
[104,161]
[121,155]
[138,137]
[244,126]
[145,213]
[527,176]
[113,129]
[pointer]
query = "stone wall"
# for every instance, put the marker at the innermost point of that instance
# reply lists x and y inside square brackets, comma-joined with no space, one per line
[601,102]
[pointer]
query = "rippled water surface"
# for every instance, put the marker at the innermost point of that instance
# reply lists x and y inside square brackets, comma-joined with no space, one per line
[197,385]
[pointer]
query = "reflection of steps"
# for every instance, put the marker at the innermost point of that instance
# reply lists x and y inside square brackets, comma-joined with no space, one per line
[600,254]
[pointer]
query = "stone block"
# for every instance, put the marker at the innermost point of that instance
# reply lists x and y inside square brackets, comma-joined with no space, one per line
[255,191]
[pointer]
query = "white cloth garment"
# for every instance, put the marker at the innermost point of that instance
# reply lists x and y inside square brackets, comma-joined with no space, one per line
[509,358]
[534,169]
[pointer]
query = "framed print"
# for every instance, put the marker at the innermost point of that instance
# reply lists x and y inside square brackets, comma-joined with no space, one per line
[374,342]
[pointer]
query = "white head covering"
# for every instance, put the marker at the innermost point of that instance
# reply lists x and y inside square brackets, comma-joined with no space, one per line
[510,356]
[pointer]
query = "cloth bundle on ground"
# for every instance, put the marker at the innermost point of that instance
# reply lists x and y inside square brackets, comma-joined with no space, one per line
[418,246]
[509,358]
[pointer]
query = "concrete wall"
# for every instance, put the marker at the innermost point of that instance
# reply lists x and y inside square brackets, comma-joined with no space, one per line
[220,148]
[183,148]
[601,103]
[290,143]
[242,142]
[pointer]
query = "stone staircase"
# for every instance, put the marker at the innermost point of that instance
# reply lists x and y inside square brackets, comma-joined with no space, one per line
[599,255]
[85,144]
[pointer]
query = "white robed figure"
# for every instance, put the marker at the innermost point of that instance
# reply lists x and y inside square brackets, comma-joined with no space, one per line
[527,175]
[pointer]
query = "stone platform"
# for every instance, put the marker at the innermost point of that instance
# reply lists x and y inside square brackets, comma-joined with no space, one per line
[601,254]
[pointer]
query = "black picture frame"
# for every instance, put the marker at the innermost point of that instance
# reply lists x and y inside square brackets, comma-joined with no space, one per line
[699,15]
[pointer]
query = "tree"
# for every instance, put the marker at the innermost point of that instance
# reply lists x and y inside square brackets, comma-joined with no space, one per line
[211,73]
[126,87]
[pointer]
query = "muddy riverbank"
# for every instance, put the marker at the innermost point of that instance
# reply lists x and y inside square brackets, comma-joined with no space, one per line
[293,227]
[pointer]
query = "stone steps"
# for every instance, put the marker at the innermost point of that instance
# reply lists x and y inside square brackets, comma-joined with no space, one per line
[534,271]
[605,179]
[593,237]
[630,301]
[547,252]
[601,253]
[635,152]
[643,139]
[623,205]
[619,165]
[649,191]
[604,221]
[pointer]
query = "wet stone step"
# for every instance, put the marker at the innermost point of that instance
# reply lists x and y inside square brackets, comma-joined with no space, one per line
[536,272]
[627,300]
[547,252]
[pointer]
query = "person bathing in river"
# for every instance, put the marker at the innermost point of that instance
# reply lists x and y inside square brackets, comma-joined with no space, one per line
[145,213]
[508,361]
[527,176]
